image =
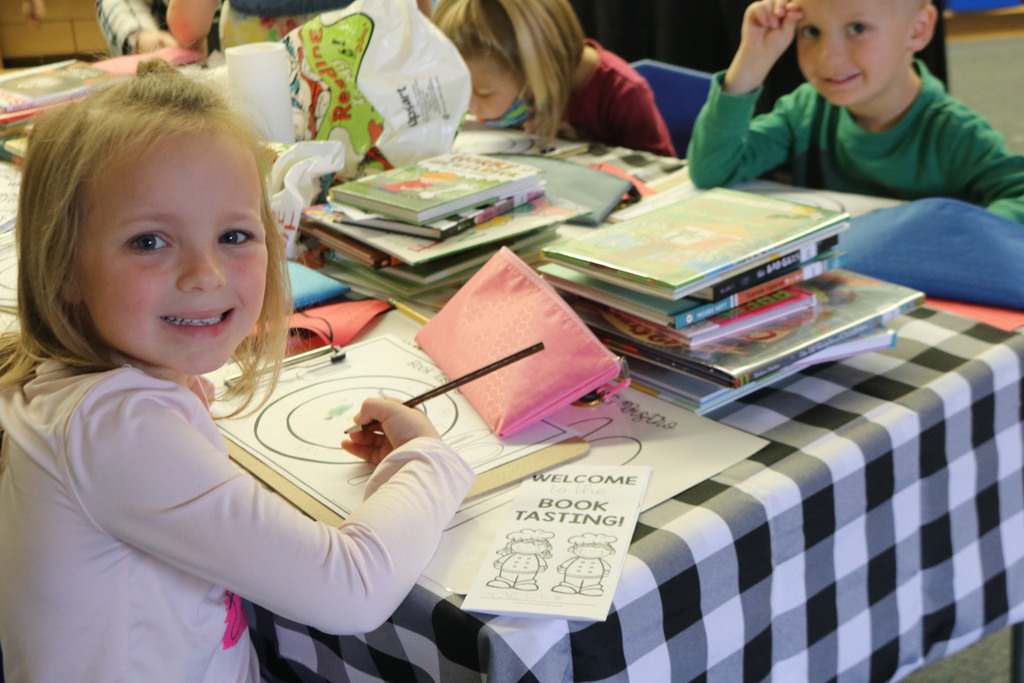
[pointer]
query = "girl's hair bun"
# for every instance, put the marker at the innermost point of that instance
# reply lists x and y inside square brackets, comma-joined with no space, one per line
[154,65]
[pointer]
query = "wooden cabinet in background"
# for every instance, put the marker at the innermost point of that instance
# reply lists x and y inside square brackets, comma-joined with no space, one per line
[70,28]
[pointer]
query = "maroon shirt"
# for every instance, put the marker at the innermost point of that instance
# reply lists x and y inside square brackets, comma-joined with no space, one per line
[616,107]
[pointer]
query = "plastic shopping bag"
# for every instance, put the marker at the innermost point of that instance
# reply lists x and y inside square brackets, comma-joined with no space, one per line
[382,79]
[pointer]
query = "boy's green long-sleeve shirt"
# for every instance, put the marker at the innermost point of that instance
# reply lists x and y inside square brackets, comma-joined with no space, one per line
[941,148]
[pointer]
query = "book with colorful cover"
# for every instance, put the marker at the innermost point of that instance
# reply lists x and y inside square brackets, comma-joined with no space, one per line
[702,396]
[439,229]
[539,214]
[696,242]
[849,304]
[438,186]
[561,548]
[457,264]
[676,313]
[755,313]
[439,285]
[35,87]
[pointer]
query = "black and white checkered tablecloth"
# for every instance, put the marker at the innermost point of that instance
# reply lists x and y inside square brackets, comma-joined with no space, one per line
[881,529]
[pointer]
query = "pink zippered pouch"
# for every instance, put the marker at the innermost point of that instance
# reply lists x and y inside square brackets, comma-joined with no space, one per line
[506,307]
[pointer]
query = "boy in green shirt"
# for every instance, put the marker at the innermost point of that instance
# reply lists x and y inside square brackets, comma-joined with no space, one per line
[870,119]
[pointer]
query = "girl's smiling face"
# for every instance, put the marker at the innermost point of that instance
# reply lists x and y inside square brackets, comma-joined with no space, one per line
[173,261]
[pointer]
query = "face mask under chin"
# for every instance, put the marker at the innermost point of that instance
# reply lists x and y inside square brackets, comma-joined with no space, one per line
[517,113]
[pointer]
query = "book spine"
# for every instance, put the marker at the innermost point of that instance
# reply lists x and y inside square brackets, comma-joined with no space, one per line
[12,102]
[481,216]
[811,270]
[704,311]
[753,276]
[744,314]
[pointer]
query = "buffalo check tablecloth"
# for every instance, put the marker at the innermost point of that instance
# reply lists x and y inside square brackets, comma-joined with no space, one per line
[881,529]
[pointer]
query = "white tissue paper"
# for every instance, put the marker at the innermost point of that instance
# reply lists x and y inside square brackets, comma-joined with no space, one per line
[297,179]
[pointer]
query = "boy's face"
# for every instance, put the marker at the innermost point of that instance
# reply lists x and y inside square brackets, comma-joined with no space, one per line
[857,54]
[173,261]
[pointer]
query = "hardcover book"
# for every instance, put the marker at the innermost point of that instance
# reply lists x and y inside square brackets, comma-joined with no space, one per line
[698,241]
[677,313]
[783,264]
[561,549]
[52,83]
[849,304]
[438,186]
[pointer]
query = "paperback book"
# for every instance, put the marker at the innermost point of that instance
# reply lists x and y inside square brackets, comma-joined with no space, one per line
[538,214]
[697,242]
[438,187]
[849,304]
[600,192]
[562,546]
[676,313]
[51,83]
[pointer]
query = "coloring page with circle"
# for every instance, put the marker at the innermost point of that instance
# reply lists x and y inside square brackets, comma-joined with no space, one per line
[298,433]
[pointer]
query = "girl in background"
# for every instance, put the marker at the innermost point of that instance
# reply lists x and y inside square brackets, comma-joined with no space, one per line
[248,21]
[147,255]
[531,66]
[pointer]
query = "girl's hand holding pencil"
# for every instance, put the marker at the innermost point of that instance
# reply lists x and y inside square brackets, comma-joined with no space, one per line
[395,424]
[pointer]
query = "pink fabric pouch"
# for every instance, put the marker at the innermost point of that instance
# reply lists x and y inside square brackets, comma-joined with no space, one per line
[506,307]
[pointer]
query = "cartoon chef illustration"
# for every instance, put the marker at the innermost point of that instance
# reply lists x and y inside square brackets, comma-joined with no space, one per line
[522,559]
[584,573]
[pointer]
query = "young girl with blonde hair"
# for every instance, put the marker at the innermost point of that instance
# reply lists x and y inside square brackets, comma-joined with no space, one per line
[148,255]
[531,66]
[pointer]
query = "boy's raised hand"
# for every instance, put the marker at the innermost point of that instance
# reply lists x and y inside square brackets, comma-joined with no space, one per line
[768,29]
[399,423]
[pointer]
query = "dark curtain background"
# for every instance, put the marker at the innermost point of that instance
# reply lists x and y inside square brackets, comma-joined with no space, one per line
[702,34]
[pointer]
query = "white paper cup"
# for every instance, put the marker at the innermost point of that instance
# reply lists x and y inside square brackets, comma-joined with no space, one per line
[259,73]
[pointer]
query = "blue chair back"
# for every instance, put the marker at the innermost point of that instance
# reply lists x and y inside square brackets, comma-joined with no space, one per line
[679,93]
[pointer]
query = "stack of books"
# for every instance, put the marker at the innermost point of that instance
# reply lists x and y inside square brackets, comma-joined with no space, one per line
[420,231]
[724,292]
[28,93]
